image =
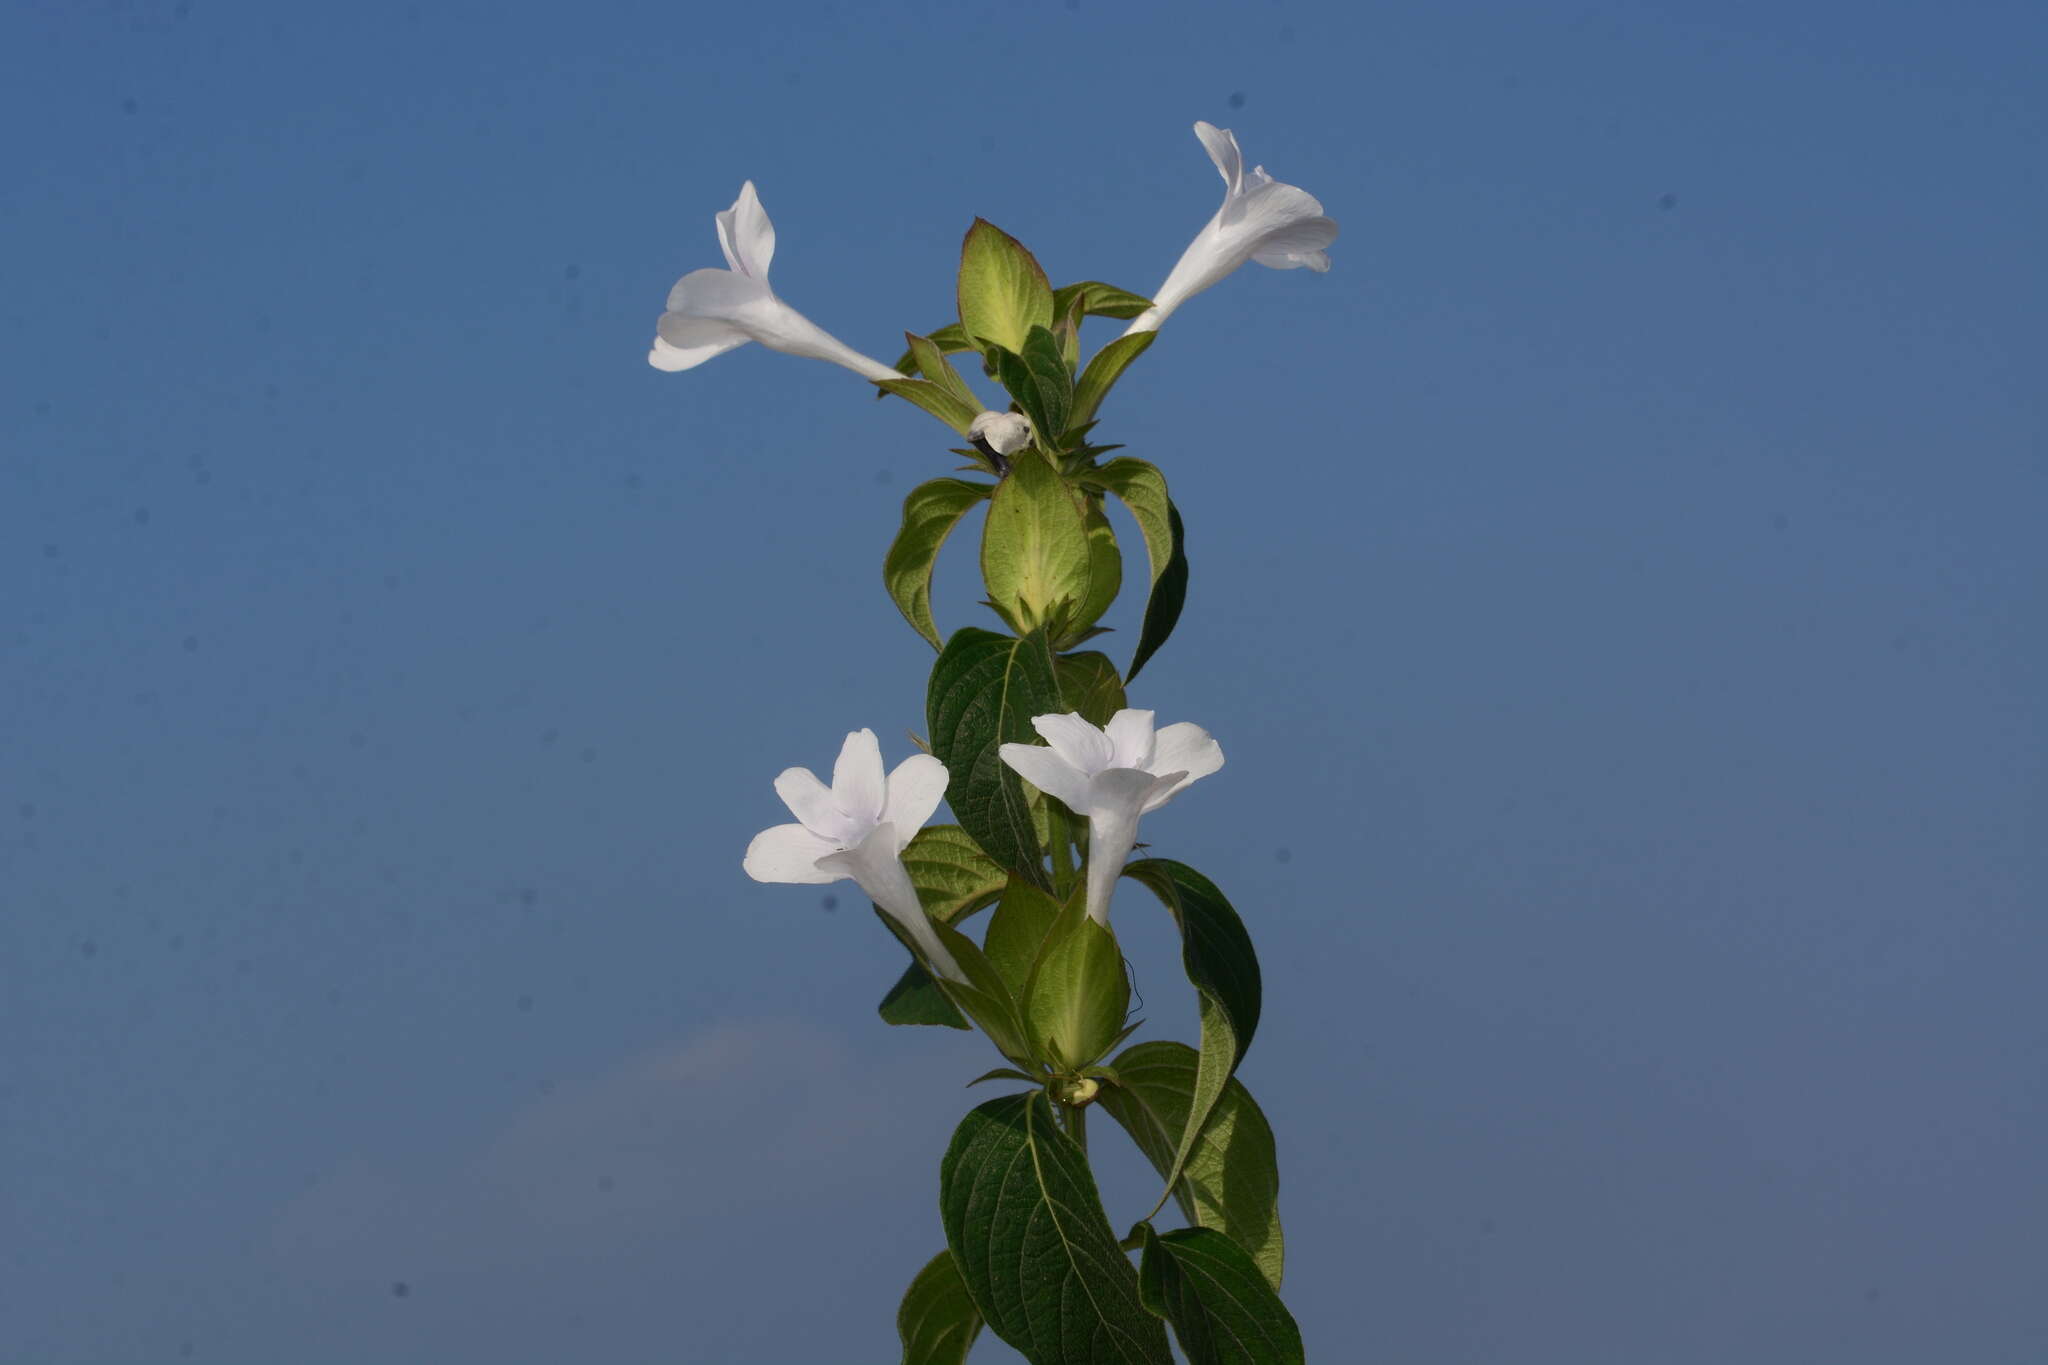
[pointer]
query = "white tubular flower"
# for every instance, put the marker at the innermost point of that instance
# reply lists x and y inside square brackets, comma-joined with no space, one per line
[712,311]
[858,828]
[1261,220]
[1112,776]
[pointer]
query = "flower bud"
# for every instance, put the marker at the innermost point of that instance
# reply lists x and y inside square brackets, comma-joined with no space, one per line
[1076,1092]
[1000,433]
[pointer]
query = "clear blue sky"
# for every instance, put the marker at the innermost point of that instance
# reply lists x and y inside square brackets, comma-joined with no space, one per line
[1619,586]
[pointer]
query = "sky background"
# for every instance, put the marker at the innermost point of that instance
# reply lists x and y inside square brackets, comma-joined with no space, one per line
[1619,587]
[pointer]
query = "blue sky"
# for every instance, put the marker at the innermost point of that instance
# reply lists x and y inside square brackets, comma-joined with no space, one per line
[1618,586]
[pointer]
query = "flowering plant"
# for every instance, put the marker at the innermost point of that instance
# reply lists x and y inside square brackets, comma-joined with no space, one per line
[1047,771]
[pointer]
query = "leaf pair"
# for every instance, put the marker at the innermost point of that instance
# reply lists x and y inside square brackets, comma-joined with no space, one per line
[1031,1253]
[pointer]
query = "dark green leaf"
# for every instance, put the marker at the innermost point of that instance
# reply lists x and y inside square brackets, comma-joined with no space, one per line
[1051,380]
[1103,371]
[953,877]
[1002,290]
[1232,1180]
[1089,685]
[1099,299]
[938,1321]
[985,688]
[917,999]
[1221,1308]
[1220,963]
[1142,488]
[1026,1228]
[930,513]
[1169,593]
[934,399]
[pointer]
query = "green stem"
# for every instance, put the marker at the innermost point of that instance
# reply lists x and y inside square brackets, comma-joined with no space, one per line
[1062,850]
[1076,1122]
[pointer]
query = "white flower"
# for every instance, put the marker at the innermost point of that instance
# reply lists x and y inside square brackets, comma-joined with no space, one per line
[1005,433]
[1112,776]
[1261,220]
[712,311]
[858,828]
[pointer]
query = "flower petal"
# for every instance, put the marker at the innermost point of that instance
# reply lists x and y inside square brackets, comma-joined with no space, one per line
[1050,773]
[789,853]
[1221,144]
[1183,748]
[1130,734]
[746,235]
[714,293]
[916,787]
[1318,261]
[857,781]
[1079,743]
[810,801]
[682,342]
[1291,245]
[1115,801]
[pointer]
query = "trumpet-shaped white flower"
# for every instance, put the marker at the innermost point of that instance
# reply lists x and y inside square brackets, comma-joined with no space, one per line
[711,311]
[1261,220]
[857,828]
[1112,775]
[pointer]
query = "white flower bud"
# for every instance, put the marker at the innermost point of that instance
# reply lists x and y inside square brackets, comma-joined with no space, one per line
[1004,433]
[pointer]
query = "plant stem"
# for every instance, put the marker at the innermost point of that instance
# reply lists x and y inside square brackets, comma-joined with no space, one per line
[1062,850]
[1076,1122]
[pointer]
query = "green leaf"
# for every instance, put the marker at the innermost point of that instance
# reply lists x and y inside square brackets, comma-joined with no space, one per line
[1221,1308]
[934,399]
[931,362]
[1103,371]
[1142,488]
[1078,996]
[1026,1228]
[949,340]
[1220,963]
[1035,549]
[1067,308]
[1003,1073]
[953,877]
[1099,299]
[1169,593]
[1232,1179]
[985,997]
[1089,685]
[984,690]
[1105,566]
[938,1321]
[917,999]
[930,513]
[1003,293]
[1017,931]
[1051,381]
